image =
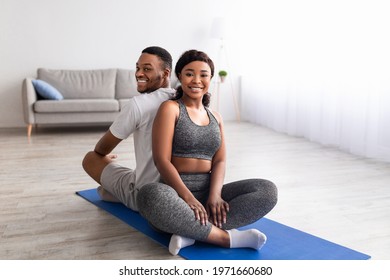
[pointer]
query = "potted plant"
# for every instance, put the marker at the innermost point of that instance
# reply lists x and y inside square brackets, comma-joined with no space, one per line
[222,75]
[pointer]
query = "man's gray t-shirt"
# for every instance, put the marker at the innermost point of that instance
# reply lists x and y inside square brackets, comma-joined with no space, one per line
[137,118]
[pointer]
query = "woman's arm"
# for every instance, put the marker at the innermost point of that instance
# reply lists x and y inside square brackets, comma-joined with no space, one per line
[162,139]
[217,208]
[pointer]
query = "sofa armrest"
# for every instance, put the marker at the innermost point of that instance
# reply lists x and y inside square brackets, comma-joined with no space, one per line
[29,97]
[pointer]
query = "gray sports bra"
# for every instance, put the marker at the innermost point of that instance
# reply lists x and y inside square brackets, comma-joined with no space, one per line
[195,141]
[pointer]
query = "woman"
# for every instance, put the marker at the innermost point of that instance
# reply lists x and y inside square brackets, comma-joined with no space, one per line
[189,151]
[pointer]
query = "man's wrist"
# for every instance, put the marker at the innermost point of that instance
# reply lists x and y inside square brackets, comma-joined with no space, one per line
[100,154]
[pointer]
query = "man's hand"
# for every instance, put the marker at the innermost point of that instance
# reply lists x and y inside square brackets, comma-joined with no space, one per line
[112,156]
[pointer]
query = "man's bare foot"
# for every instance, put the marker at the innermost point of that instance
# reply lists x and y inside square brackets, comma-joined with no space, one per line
[105,195]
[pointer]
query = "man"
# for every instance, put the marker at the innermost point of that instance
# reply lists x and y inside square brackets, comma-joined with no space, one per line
[119,183]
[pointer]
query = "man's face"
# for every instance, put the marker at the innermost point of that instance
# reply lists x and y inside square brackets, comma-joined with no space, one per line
[149,73]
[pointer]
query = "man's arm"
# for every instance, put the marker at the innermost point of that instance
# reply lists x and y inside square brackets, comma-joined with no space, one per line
[95,161]
[106,144]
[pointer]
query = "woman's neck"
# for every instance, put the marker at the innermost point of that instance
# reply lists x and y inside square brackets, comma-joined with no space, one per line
[195,104]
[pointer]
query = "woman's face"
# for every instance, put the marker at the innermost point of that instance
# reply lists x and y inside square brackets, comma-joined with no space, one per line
[195,78]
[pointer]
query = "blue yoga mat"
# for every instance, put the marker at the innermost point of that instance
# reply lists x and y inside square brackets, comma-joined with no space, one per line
[283,242]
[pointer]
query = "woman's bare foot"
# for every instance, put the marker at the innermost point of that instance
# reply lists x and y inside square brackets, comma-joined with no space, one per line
[105,195]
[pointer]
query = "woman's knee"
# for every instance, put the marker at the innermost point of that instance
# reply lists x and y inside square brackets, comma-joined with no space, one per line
[266,189]
[272,190]
[262,191]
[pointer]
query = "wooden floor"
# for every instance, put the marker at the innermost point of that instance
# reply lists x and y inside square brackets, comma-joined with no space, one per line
[325,192]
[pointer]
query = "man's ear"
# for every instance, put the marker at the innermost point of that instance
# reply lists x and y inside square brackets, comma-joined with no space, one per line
[167,73]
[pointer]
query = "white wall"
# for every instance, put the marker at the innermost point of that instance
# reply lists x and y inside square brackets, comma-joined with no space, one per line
[88,34]
[302,42]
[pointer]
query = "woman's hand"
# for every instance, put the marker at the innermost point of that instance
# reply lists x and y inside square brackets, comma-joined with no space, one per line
[199,210]
[217,210]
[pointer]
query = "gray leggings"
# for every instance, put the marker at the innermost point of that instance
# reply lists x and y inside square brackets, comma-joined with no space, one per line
[249,200]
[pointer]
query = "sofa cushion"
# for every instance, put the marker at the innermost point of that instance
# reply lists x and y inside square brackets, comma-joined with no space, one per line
[76,105]
[81,84]
[126,84]
[46,90]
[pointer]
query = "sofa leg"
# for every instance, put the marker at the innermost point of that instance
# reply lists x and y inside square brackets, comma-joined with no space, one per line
[29,129]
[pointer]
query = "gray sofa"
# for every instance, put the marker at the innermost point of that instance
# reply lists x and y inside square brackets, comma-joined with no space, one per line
[89,96]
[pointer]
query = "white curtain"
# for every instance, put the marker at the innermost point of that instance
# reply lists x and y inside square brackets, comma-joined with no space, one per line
[352,117]
[323,73]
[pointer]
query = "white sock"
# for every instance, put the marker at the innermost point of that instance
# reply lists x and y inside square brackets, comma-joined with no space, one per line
[177,242]
[251,238]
